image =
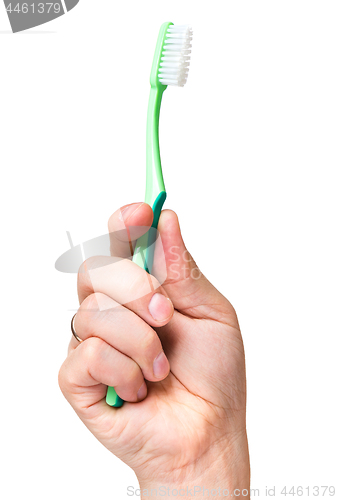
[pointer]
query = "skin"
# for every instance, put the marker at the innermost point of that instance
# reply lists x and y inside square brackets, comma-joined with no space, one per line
[184,420]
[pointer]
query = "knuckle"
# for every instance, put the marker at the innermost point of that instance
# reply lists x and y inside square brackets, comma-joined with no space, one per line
[142,285]
[67,378]
[87,265]
[137,283]
[83,277]
[149,340]
[132,375]
[92,349]
[86,315]
[83,269]
[89,304]
[93,313]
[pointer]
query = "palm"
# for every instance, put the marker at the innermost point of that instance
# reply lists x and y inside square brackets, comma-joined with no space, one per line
[198,398]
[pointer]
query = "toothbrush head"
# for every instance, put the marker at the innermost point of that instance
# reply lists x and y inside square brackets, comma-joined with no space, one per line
[172,56]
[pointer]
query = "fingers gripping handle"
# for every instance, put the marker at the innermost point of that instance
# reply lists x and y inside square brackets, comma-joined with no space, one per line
[143,257]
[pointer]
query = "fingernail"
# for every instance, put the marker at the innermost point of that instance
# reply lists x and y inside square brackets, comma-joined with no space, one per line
[160,307]
[141,394]
[126,212]
[161,365]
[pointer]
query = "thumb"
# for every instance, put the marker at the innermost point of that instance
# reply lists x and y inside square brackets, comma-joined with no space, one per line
[189,290]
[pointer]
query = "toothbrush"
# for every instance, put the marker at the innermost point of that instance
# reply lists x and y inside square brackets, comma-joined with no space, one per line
[170,67]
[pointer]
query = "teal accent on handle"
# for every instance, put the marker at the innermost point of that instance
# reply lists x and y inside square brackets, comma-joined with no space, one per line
[155,194]
[144,251]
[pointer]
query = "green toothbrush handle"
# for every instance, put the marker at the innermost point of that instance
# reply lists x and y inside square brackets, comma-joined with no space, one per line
[112,398]
[155,196]
[143,257]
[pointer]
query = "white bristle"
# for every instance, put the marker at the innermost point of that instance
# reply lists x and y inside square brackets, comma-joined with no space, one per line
[175,57]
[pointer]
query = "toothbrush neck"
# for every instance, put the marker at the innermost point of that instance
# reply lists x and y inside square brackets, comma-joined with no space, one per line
[154,175]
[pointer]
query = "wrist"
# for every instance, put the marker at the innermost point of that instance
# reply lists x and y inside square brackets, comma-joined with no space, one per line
[223,472]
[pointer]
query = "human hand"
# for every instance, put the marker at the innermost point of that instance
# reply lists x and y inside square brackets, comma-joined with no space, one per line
[186,425]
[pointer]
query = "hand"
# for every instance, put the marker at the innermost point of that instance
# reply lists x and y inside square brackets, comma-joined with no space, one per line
[184,421]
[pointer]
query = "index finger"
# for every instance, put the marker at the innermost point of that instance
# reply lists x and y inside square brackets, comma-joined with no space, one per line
[126,225]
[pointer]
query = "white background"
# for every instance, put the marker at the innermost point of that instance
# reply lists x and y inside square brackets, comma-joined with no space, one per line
[250,160]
